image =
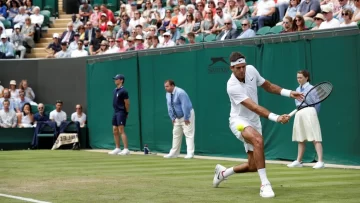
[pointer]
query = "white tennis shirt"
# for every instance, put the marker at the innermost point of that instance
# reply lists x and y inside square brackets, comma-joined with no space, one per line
[239,91]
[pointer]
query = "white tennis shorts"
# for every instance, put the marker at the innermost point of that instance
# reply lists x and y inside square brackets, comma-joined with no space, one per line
[234,122]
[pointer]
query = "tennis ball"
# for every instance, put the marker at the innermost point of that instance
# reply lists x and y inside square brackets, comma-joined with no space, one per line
[240,127]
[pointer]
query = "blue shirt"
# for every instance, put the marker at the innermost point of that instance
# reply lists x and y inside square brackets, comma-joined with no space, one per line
[120,94]
[7,48]
[305,89]
[13,104]
[20,104]
[182,104]
[38,117]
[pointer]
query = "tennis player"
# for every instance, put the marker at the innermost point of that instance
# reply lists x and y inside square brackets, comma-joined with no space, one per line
[121,107]
[306,124]
[245,111]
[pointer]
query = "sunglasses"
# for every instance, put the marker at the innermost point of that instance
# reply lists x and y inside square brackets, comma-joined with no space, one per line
[244,24]
[40,107]
[227,23]
[344,14]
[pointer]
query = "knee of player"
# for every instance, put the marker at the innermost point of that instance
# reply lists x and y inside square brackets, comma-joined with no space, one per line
[258,141]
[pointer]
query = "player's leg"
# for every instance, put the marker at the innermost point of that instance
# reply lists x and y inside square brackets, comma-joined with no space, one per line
[177,138]
[121,128]
[298,161]
[319,151]
[189,132]
[116,137]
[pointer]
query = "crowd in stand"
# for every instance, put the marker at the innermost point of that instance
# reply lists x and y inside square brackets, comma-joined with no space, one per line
[16,108]
[152,24]
[25,22]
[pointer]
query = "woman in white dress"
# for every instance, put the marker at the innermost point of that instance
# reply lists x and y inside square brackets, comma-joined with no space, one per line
[26,117]
[306,125]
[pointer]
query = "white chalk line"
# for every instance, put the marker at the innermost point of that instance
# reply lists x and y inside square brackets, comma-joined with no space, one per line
[22,198]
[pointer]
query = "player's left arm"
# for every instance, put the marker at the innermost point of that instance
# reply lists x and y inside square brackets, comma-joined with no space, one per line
[126,102]
[275,89]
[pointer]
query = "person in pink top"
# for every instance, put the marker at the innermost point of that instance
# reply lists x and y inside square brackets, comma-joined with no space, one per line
[120,44]
[139,42]
[108,12]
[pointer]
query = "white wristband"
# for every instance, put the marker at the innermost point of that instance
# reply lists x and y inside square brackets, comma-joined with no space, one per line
[285,92]
[273,117]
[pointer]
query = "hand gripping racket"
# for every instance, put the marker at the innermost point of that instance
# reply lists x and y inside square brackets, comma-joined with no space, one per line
[316,95]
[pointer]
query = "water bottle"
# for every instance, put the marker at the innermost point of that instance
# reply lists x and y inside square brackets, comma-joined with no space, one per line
[146,149]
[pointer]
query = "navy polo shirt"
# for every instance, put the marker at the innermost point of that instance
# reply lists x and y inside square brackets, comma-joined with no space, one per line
[38,117]
[120,94]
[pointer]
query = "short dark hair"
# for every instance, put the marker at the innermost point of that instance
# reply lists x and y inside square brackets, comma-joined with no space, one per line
[171,82]
[219,9]
[234,56]
[59,102]
[305,73]
[6,101]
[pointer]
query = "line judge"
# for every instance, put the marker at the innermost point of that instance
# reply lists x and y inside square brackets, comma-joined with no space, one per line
[182,116]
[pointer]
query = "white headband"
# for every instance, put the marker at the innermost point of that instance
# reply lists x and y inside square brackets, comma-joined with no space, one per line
[240,60]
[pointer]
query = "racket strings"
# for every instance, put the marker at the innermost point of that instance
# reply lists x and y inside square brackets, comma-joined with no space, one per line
[318,94]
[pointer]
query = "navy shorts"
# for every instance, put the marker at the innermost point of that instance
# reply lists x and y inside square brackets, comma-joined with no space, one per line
[119,119]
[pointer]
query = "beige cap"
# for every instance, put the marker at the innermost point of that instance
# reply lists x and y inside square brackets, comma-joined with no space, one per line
[12,82]
[321,16]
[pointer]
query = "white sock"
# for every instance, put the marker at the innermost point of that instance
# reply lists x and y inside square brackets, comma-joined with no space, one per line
[263,177]
[228,172]
[117,148]
[125,148]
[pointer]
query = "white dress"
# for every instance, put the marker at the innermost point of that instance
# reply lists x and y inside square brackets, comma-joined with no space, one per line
[25,121]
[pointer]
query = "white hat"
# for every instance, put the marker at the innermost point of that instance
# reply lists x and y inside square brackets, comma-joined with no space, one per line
[12,82]
[55,35]
[326,8]
[167,33]
[3,36]
[139,37]
[17,26]
[320,16]
[104,14]
[110,23]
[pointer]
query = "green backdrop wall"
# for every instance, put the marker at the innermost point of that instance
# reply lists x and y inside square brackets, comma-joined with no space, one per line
[203,70]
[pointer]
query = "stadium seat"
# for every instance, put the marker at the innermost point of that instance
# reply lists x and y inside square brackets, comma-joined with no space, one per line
[308,24]
[199,38]
[52,6]
[46,15]
[263,30]
[34,109]
[38,3]
[49,108]
[249,3]
[97,2]
[238,24]
[275,30]
[7,24]
[210,38]
[117,13]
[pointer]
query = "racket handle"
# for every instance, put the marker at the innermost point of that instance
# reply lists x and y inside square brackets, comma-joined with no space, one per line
[293,113]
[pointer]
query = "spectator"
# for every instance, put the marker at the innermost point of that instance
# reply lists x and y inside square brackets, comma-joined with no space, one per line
[13,90]
[221,4]
[3,11]
[81,31]
[12,11]
[246,30]
[2,28]
[191,37]
[287,25]
[57,115]
[123,27]
[6,48]
[181,41]
[29,93]
[137,20]
[131,44]
[159,9]
[155,43]
[95,42]
[104,46]
[36,18]
[22,100]
[197,22]
[53,47]
[228,32]
[17,39]
[347,15]
[356,16]
[7,97]
[85,11]
[76,22]
[7,116]
[292,9]
[319,18]
[148,40]
[95,16]
[344,4]
[89,33]
[26,117]
[120,45]
[188,24]
[308,9]
[80,51]
[263,13]
[220,19]
[113,48]
[167,40]
[79,116]
[139,30]
[299,23]
[28,32]
[74,44]
[108,12]
[139,43]
[20,17]
[65,52]
[68,35]
[231,8]
[243,11]
[40,115]
[330,21]
[28,7]
[110,30]
[1,89]
[182,16]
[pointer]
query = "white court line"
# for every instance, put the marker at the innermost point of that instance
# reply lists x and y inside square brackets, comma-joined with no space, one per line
[22,198]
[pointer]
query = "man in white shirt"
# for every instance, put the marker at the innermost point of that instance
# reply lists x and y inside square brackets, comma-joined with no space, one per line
[8,117]
[330,21]
[80,51]
[167,40]
[57,115]
[79,116]
[37,18]
[20,17]
[220,21]
[263,12]
[245,121]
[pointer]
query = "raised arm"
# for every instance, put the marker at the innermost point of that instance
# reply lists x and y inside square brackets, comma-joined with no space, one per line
[275,89]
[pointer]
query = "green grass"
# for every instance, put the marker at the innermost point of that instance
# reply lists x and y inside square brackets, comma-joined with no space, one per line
[80,176]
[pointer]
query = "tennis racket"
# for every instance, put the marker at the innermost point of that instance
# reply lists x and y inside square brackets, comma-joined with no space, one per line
[316,95]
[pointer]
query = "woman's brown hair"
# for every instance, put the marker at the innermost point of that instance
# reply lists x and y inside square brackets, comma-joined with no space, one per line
[305,73]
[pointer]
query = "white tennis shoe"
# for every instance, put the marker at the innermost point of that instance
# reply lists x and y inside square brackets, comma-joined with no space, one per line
[266,191]
[124,152]
[115,151]
[319,165]
[219,175]
[295,164]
